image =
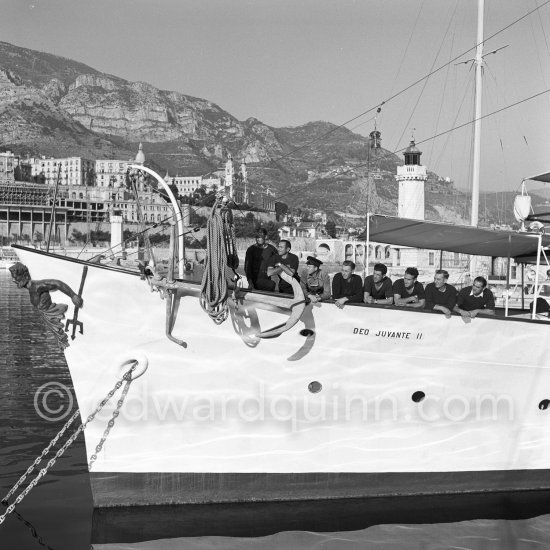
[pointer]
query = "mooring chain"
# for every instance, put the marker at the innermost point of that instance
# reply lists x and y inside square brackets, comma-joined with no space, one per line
[39,458]
[111,422]
[126,378]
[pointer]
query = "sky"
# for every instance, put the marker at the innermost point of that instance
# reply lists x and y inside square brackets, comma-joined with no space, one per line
[288,62]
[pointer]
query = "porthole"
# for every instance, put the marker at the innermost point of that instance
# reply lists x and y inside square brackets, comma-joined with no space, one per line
[543,405]
[315,387]
[418,396]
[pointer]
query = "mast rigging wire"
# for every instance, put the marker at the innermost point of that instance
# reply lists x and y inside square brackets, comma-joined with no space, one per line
[381,104]
[392,96]
[426,80]
[429,138]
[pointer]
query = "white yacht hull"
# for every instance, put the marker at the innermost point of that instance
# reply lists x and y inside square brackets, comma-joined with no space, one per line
[408,402]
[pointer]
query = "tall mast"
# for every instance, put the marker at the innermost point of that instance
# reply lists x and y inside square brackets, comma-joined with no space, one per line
[477,116]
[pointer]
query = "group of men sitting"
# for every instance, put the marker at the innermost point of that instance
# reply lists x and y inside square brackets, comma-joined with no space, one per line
[263,262]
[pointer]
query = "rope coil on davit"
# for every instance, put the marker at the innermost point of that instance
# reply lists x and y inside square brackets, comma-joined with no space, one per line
[221,255]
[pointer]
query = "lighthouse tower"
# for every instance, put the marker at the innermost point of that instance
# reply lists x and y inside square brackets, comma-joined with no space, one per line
[411,177]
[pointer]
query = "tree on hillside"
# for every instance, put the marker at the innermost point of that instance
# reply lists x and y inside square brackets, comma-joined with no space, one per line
[281,209]
[330,228]
[272,229]
[245,226]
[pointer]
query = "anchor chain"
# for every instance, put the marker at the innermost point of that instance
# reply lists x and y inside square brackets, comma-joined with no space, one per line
[111,422]
[39,458]
[126,378]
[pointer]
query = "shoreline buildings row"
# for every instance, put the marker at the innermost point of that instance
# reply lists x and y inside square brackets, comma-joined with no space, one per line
[92,191]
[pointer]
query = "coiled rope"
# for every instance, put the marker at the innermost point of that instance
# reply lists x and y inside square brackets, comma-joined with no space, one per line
[221,255]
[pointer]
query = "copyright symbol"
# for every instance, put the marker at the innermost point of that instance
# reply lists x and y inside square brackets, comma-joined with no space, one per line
[53,401]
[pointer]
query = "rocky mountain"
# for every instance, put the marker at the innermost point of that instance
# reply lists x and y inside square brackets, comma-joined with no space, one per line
[55,106]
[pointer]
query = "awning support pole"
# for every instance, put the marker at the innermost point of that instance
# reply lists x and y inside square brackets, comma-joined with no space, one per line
[536,293]
[507,277]
[366,254]
[522,286]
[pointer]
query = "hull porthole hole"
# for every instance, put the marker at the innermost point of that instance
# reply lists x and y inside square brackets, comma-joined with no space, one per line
[418,396]
[544,404]
[315,387]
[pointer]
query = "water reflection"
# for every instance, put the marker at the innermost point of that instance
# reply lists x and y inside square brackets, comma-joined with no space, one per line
[59,508]
[475,535]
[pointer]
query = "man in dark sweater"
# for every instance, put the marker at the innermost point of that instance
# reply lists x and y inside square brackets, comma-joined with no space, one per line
[346,286]
[441,296]
[285,261]
[255,255]
[475,299]
[408,292]
[378,287]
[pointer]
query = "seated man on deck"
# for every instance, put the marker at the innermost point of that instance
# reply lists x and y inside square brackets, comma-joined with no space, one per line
[408,292]
[441,296]
[475,299]
[378,287]
[315,282]
[346,286]
[285,261]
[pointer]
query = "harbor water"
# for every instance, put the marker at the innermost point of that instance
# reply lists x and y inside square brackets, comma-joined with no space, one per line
[58,513]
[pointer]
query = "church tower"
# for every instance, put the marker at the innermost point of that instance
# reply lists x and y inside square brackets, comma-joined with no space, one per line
[140,159]
[411,177]
[229,174]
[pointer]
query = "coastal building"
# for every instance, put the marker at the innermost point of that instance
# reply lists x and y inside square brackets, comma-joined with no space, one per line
[68,171]
[111,173]
[262,199]
[26,213]
[88,195]
[309,229]
[7,166]
[187,185]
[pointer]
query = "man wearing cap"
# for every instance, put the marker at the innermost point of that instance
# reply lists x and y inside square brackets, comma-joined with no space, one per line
[255,255]
[315,282]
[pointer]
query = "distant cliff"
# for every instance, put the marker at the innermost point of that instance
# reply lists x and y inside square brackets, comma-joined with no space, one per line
[56,106]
